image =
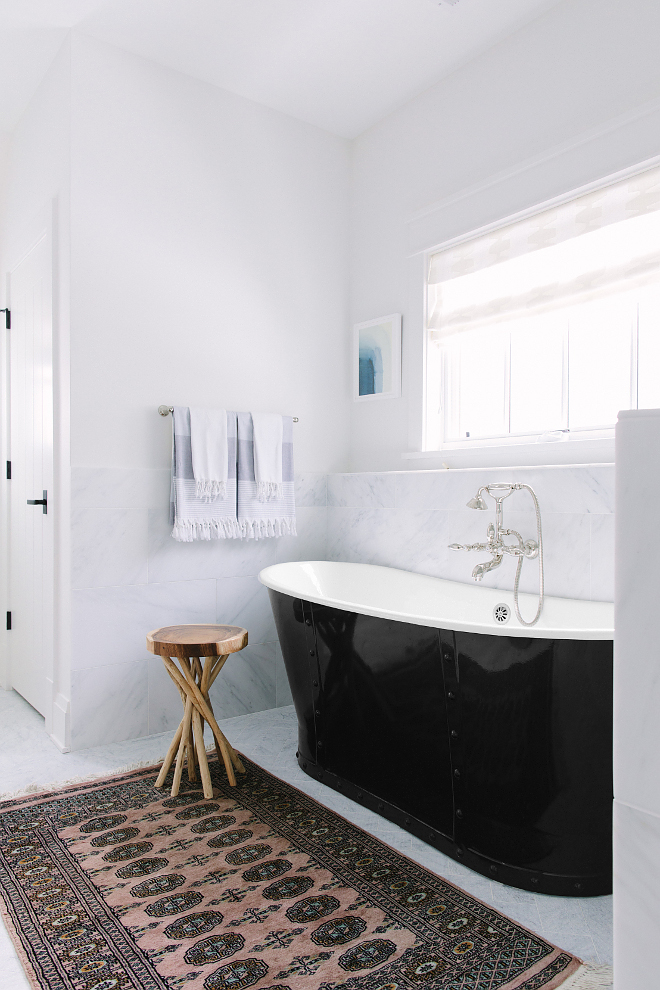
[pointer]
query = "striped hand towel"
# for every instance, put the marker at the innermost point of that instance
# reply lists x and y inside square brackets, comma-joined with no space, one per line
[277,516]
[192,518]
[267,430]
[208,440]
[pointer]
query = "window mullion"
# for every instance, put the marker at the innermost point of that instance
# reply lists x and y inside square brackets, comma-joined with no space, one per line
[564,376]
[634,361]
[507,385]
[445,399]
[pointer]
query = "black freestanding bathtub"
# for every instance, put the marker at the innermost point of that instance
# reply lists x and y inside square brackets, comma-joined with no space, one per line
[492,742]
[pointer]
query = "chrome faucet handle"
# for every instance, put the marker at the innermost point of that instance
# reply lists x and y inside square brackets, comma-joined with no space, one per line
[505,489]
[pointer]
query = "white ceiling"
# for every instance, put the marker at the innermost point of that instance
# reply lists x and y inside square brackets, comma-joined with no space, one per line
[339,64]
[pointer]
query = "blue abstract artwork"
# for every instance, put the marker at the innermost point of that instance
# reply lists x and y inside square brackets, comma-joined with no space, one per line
[375,360]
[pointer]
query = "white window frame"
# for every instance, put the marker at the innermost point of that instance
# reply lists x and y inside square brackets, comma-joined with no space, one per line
[576,446]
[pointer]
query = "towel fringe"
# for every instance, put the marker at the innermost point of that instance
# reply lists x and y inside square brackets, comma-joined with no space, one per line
[268,490]
[589,977]
[209,491]
[188,530]
[261,529]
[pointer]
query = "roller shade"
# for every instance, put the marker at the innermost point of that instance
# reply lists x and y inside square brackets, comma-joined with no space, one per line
[528,265]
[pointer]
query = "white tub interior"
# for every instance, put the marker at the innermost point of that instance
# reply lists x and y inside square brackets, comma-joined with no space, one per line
[430,601]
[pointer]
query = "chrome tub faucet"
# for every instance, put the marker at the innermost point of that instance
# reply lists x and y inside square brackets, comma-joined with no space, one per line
[496,546]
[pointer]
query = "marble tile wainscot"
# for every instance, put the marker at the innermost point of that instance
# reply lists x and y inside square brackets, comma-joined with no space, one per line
[407,519]
[130,576]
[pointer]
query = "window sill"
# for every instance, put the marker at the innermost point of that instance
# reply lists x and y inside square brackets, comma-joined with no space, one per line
[593,450]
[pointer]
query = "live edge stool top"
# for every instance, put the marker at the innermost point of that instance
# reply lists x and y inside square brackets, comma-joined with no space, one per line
[204,640]
[189,645]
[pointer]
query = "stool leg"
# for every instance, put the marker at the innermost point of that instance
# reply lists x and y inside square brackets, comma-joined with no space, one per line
[198,724]
[190,744]
[212,667]
[233,755]
[207,678]
[203,708]
[197,674]
[190,748]
[183,745]
[167,762]
[226,757]
[190,759]
[203,678]
[213,671]
[235,759]
[174,745]
[197,669]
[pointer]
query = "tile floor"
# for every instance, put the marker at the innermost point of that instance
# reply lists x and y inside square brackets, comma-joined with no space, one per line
[27,757]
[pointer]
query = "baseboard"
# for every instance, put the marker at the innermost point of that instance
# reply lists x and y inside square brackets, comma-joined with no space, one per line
[59,727]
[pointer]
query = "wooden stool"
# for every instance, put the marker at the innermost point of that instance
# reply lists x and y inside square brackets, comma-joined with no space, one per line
[188,644]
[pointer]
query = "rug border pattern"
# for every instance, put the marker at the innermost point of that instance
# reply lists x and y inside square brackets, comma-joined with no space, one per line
[562,964]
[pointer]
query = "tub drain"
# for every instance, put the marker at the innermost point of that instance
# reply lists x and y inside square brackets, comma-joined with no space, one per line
[501,613]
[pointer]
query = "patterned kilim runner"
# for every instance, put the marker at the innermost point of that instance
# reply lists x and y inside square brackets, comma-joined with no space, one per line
[112,885]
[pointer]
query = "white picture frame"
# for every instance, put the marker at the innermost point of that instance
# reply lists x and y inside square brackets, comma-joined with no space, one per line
[377,359]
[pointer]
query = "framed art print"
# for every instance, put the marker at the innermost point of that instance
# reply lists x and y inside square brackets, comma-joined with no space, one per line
[377,359]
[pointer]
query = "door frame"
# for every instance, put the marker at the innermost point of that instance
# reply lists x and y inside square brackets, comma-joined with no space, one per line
[45,221]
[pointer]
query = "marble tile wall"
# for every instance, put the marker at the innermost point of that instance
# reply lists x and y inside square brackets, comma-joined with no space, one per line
[130,576]
[408,519]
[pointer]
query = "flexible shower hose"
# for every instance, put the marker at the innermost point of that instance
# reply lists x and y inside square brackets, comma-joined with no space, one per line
[519,567]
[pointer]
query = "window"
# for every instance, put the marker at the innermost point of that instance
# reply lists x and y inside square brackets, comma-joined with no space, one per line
[547,327]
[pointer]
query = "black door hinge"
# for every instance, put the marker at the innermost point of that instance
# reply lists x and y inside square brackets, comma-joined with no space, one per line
[8,470]
[7,318]
[8,620]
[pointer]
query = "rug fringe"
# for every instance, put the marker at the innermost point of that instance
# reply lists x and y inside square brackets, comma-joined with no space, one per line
[88,778]
[590,977]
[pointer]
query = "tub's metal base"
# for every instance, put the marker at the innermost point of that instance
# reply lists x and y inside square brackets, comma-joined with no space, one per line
[542,883]
[496,750]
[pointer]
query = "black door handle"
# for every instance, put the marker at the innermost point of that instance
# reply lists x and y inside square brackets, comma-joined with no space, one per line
[40,501]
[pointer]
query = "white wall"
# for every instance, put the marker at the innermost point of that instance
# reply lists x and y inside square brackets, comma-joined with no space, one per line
[209,266]
[209,262]
[566,100]
[208,245]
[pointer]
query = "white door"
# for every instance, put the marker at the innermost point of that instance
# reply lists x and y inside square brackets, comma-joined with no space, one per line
[31,452]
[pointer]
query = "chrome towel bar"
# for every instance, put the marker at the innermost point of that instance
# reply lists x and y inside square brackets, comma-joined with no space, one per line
[166,410]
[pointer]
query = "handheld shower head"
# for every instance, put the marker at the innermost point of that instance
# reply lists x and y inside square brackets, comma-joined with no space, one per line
[477,502]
